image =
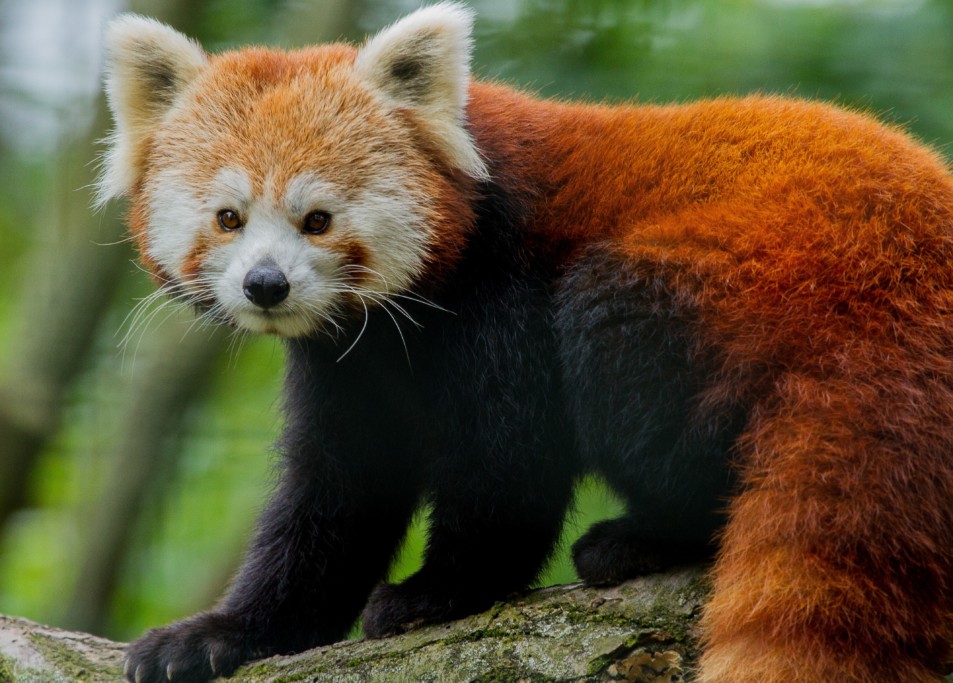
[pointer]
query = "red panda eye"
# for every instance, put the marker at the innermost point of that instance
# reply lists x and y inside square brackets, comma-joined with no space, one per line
[316,222]
[228,220]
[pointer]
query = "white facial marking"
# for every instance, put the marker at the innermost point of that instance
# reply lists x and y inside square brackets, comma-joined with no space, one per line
[307,192]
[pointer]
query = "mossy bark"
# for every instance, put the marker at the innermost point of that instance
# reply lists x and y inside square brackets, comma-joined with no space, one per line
[642,631]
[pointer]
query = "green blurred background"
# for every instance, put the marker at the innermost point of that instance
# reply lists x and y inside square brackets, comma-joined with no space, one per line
[131,473]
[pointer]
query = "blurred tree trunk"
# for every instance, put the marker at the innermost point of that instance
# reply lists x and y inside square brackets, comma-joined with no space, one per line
[60,318]
[174,378]
[85,254]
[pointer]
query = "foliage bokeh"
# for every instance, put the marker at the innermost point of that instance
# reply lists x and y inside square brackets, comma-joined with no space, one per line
[213,464]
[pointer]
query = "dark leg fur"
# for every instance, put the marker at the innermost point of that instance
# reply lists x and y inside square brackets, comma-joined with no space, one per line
[502,484]
[303,584]
[190,651]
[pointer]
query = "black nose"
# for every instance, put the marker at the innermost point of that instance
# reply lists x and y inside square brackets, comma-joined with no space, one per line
[265,285]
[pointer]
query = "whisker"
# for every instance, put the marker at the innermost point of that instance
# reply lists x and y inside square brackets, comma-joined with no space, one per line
[408,295]
[400,309]
[400,333]
[143,325]
[323,315]
[168,299]
[412,296]
[143,312]
[199,292]
[138,309]
[124,240]
[382,301]
[359,334]
[148,272]
[236,343]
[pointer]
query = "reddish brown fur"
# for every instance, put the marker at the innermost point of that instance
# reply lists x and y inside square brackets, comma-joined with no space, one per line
[815,246]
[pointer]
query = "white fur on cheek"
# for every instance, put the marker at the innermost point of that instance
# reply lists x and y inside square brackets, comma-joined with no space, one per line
[176,217]
[387,219]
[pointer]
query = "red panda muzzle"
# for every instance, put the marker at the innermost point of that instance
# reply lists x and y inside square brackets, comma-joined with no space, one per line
[265,285]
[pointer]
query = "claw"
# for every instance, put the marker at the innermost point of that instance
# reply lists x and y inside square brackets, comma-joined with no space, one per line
[169,672]
[211,663]
[126,666]
[139,674]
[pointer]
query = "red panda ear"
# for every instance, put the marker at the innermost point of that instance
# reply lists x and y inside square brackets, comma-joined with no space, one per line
[147,66]
[423,62]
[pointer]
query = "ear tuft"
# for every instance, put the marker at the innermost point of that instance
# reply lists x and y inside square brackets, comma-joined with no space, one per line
[423,62]
[147,65]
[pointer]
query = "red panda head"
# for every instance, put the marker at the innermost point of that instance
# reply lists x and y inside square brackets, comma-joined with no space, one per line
[280,190]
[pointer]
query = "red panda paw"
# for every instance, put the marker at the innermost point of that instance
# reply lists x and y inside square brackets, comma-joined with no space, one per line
[749,661]
[427,597]
[397,608]
[191,651]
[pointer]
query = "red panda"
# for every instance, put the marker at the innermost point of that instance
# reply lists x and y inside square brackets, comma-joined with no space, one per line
[739,312]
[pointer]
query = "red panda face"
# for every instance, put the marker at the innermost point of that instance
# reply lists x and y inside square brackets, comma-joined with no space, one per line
[255,174]
[280,191]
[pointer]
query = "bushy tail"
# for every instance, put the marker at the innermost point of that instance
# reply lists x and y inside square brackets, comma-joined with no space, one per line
[837,560]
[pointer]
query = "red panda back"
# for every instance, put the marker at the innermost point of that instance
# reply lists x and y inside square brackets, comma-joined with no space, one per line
[794,225]
[627,170]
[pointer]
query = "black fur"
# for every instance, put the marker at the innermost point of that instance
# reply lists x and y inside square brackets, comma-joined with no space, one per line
[490,413]
[629,351]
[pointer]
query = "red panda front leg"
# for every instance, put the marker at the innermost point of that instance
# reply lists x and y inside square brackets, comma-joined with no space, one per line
[836,562]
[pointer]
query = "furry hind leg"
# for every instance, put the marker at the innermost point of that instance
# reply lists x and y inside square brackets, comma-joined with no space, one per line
[837,559]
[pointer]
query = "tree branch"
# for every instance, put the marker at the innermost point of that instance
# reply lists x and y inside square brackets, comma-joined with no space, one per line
[643,630]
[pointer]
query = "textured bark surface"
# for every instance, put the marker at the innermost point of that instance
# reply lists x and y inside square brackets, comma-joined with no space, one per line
[642,631]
